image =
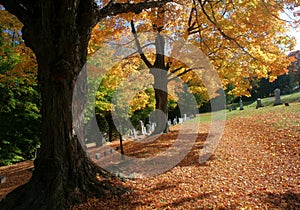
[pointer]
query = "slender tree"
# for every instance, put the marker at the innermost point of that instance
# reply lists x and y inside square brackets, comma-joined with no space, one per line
[58,32]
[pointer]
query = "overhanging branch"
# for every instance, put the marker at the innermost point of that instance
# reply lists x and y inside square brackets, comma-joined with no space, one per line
[145,46]
[213,20]
[18,8]
[182,73]
[112,8]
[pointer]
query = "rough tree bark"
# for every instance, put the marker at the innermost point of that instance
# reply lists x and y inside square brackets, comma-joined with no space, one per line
[58,32]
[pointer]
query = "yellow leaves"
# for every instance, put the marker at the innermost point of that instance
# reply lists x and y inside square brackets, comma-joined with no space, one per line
[9,21]
[140,101]
[26,67]
[245,40]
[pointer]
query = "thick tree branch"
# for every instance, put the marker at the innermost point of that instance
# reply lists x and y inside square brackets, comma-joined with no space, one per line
[112,8]
[87,17]
[18,8]
[138,44]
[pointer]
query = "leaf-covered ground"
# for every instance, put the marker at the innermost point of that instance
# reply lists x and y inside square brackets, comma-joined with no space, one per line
[256,166]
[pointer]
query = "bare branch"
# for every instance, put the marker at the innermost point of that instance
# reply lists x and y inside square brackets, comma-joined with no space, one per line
[145,46]
[112,8]
[182,73]
[175,70]
[138,44]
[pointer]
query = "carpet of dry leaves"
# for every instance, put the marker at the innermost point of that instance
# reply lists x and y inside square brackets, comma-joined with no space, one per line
[256,166]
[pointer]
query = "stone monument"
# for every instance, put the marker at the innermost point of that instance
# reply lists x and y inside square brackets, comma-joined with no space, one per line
[277,97]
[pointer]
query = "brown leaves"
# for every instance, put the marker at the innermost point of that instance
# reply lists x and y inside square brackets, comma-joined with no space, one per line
[256,166]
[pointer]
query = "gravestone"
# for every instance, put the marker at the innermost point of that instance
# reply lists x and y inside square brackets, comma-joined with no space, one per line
[241,104]
[184,117]
[144,130]
[97,156]
[258,103]
[277,97]
[148,129]
[175,121]
[130,134]
[112,150]
[180,120]
[153,125]
[169,123]
[134,134]
[141,127]
[2,179]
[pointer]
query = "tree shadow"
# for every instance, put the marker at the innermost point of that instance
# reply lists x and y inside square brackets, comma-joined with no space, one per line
[180,202]
[172,141]
[164,143]
[287,200]
[164,186]
[129,202]
[192,158]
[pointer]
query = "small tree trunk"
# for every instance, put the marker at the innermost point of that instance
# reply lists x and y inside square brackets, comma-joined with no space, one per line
[121,146]
[160,75]
[111,126]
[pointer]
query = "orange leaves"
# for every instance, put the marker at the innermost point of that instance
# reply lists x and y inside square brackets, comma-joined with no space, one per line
[244,40]
[256,166]
[22,60]
[9,21]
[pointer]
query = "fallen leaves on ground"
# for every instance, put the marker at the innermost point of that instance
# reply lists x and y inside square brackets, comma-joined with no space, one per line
[256,166]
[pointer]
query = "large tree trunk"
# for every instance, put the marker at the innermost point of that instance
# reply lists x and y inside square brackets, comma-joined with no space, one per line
[58,32]
[63,173]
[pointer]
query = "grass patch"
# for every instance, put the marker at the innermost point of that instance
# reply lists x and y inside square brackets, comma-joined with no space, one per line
[250,110]
[205,117]
[270,101]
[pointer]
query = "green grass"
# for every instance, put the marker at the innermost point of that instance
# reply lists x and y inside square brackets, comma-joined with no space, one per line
[285,99]
[250,110]
[205,117]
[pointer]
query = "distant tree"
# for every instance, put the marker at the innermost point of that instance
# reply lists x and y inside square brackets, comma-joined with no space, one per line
[19,95]
[294,68]
[286,82]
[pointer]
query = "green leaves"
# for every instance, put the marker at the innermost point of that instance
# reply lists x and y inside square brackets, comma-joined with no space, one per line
[19,97]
